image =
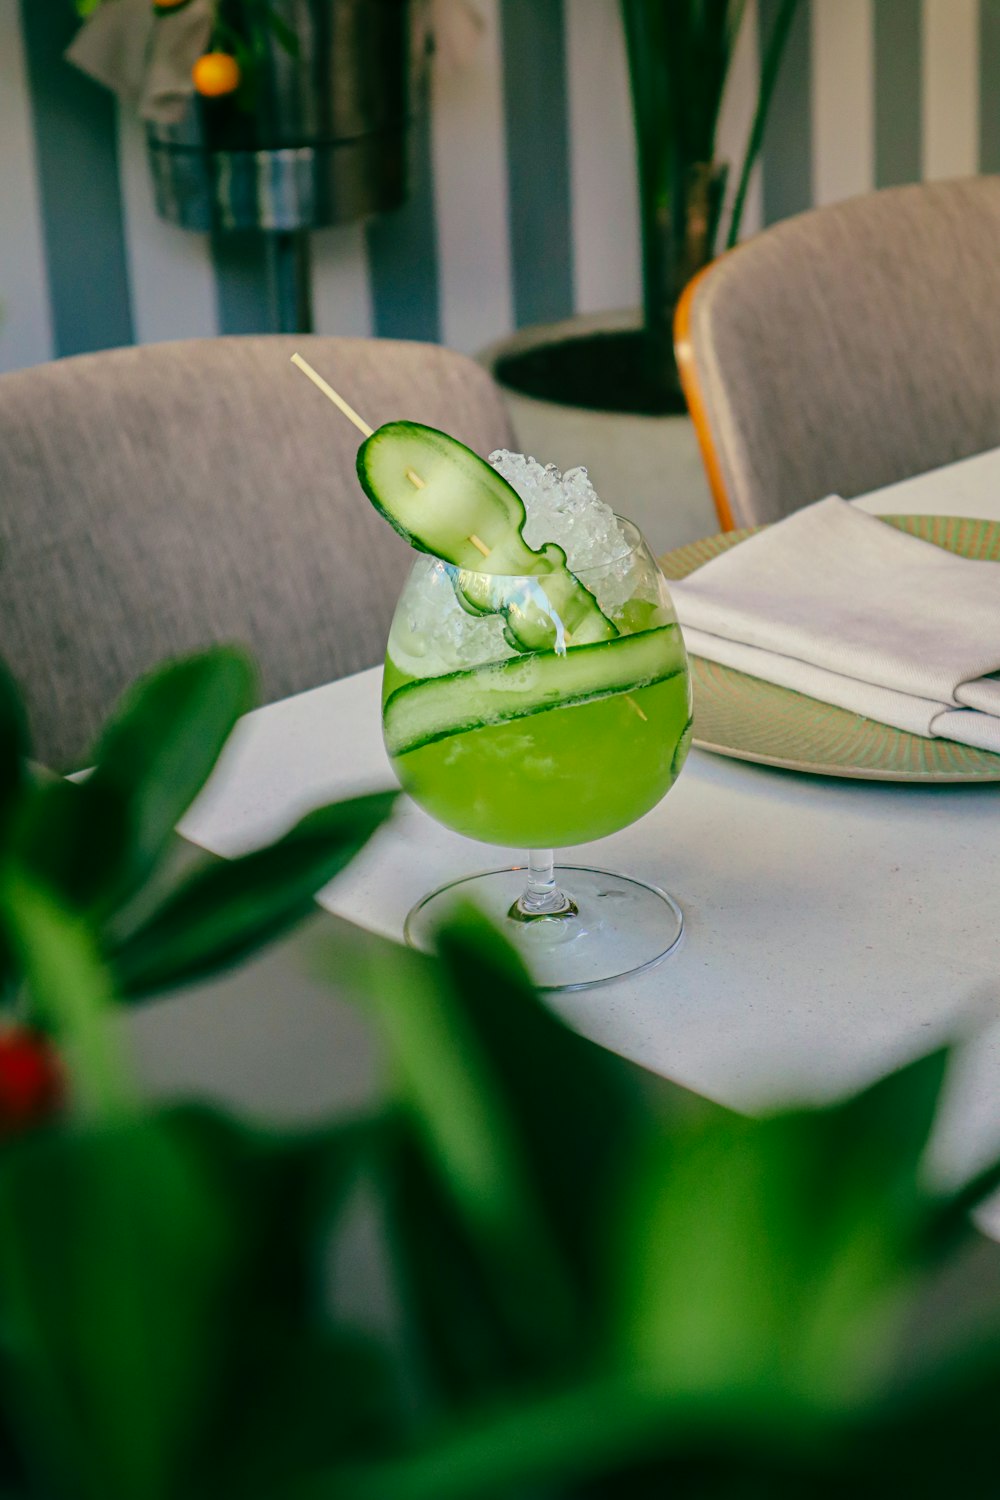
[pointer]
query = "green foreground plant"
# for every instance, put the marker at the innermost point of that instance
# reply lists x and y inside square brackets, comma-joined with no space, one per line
[599,1285]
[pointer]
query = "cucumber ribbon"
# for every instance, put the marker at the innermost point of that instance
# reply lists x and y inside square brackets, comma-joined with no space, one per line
[419,713]
[444,499]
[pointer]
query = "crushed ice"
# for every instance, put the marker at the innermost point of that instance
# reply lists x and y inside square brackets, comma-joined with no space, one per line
[563,508]
[433,634]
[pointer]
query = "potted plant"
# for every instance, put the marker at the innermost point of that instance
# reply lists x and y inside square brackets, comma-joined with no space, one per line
[604,390]
[279,116]
[591,1283]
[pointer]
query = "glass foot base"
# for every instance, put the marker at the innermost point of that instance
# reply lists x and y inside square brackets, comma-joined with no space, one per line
[616,925]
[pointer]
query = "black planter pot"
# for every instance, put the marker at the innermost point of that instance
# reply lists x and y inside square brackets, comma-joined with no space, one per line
[325,142]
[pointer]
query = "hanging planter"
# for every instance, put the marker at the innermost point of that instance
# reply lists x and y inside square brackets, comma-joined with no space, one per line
[312,130]
[278,115]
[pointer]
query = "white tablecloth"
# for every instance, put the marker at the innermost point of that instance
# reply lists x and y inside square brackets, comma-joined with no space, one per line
[833,928]
[970,487]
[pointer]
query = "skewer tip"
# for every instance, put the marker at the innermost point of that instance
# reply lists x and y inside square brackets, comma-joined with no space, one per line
[331,394]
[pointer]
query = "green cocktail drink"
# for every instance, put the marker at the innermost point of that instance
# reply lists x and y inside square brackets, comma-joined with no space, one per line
[563,774]
[536,694]
[531,705]
[536,691]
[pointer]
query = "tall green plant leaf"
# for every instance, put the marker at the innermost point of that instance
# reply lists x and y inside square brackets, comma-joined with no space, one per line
[768,80]
[679,55]
[229,909]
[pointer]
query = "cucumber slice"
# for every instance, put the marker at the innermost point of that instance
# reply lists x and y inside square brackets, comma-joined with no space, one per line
[683,746]
[546,613]
[421,712]
[457,496]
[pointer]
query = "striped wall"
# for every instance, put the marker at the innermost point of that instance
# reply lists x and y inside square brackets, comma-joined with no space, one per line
[524,205]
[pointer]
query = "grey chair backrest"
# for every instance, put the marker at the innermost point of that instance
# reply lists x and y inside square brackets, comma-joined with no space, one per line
[849,347]
[157,499]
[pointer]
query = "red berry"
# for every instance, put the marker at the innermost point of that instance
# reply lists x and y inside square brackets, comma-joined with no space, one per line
[32,1082]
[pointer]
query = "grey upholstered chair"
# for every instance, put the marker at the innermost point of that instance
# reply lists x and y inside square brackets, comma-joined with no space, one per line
[847,348]
[153,500]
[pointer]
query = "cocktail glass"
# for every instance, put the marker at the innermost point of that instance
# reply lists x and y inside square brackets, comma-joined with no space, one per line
[541,750]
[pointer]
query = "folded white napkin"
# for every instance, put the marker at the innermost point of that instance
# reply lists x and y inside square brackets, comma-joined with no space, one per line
[836,604]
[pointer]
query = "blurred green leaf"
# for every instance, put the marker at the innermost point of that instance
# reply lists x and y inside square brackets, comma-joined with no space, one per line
[160,747]
[460,1186]
[230,908]
[579,1134]
[473,1332]
[306,1399]
[295,1390]
[950,1333]
[613,1440]
[96,842]
[163,1307]
[949,1221]
[68,991]
[545,1445]
[521,1130]
[114,1258]
[72,838]
[289,1185]
[768,1257]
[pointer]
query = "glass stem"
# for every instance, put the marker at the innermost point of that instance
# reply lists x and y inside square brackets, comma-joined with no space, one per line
[541,896]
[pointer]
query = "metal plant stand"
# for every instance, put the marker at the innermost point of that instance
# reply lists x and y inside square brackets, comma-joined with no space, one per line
[326,142]
[290,267]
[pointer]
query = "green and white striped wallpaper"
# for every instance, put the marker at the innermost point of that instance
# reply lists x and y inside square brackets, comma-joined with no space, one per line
[524,204]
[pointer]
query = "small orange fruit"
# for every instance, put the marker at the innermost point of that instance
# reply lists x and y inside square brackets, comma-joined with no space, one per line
[215,74]
[167,4]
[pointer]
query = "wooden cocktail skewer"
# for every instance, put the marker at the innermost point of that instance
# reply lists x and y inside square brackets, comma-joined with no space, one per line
[362,426]
[332,395]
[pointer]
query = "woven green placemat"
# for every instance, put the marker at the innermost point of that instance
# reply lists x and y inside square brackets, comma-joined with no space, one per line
[743,717]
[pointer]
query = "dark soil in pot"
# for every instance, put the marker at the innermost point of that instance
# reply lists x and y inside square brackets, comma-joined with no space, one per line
[601,371]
